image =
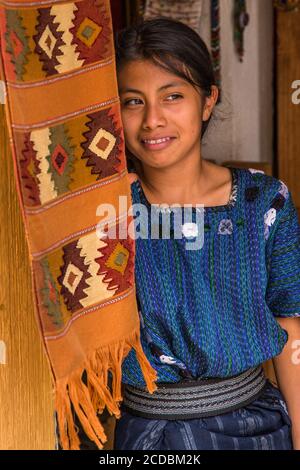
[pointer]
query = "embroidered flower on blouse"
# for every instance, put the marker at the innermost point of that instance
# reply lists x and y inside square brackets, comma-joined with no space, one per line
[283,190]
[190,229]
[269,219]
[164,359]
[225,227]
[251,193]
[277,205]
[167,359]
[254,170]
[156,350]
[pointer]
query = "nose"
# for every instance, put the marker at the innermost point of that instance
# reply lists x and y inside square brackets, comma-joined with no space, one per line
[153,116]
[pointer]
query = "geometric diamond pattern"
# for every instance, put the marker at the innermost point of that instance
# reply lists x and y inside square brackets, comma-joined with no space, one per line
[17,45]
[102,144]
[47,41]
[88,32]
[92,32]
[116,263]
[56,160]
[16,42]
[118,259]
[57,38]
[59,159]
[103,140]
[72,278]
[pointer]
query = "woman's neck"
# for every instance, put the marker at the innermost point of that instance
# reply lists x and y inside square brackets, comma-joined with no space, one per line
[181,185]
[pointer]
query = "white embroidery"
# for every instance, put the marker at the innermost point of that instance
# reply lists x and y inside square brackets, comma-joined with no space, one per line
[254,170]
[171,361]
[283,404]
[270,216]
[269,219]
[225,227]
[190,229]
[167,359]
[283,190]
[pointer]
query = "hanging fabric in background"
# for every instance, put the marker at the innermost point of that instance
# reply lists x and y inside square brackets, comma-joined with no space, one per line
[63,116]
[186,11]
[286,5]
[141,7]
[241,20]
[216,42]
[134,10]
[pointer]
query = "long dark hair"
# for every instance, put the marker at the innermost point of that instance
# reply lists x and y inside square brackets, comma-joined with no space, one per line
[171,45]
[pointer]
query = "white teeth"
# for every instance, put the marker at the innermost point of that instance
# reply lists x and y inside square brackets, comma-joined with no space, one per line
[158,141]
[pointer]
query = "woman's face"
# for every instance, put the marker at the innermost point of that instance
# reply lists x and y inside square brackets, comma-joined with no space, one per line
[161,113]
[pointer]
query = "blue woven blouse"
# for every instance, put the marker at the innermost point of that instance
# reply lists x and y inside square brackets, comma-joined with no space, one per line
[211,312]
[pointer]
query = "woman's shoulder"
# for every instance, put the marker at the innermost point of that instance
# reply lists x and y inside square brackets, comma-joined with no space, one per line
[272,196]
[268,186]
[254,183]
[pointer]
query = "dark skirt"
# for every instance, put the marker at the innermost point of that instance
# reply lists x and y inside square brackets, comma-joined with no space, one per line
[264,424]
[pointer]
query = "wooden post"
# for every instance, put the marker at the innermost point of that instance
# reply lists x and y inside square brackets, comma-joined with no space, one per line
[288,111]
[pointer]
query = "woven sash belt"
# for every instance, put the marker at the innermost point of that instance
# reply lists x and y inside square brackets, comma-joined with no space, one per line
[195,399]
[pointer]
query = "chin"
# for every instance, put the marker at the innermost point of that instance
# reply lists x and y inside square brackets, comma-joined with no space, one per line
[158,164]
[159,160]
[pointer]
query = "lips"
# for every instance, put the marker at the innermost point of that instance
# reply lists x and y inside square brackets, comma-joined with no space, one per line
[157,140]
[158,143]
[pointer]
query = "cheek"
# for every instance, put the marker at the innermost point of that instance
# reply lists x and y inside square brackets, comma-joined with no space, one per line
[189,116]
[196,122]
[130,125]
[191,123]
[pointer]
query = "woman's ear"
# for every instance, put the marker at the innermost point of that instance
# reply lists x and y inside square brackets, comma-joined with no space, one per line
[210,102]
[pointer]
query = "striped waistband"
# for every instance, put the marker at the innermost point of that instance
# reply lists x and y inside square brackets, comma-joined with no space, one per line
[195,399]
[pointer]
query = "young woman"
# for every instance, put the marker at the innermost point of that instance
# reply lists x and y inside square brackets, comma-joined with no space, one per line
[209,316]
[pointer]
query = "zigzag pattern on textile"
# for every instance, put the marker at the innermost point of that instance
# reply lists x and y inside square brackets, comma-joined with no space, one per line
[64,121]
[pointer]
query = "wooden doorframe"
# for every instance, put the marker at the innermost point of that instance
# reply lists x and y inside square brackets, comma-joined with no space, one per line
[287,118]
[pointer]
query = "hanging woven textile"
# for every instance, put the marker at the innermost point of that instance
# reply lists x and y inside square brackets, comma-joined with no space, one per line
[286,5]
[216,42]
[241,20]
[63,115]
[186,11]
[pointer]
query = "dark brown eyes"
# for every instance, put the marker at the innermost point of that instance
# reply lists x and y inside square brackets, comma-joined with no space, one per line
[136,101]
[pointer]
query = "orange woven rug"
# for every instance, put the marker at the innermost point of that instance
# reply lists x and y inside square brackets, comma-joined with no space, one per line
[57,62]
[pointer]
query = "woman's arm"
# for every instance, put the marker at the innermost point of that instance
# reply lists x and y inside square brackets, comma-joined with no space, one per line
[287,370]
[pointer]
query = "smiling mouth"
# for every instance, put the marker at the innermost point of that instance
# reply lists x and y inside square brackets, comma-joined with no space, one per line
[157,143]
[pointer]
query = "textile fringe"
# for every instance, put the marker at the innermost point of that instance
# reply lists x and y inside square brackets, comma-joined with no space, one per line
[88,399]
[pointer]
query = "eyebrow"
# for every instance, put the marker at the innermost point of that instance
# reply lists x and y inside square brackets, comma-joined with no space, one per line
[164,87]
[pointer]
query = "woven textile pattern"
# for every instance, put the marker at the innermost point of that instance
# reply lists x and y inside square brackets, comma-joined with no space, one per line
[212,312]
[187,11]
[57,61]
